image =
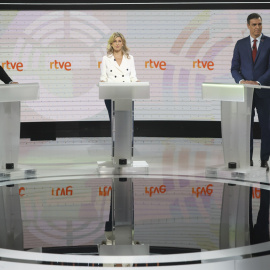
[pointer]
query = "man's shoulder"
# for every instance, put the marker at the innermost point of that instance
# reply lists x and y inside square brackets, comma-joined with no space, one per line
[243,40]
[265,38]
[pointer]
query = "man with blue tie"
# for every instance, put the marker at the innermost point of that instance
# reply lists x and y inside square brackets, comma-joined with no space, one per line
[251,65]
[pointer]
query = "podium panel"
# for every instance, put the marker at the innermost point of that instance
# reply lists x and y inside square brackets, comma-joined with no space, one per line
[10,97]
[116,91]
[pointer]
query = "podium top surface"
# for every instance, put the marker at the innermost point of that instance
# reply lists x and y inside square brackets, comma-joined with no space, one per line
[134,90]
[19,92]
[228,92]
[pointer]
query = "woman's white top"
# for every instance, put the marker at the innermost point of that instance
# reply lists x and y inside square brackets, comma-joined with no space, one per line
[112,72]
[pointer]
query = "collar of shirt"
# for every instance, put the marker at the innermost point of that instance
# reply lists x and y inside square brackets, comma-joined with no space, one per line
[258,40]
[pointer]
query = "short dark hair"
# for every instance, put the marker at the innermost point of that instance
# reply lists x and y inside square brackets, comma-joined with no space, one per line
[253,16]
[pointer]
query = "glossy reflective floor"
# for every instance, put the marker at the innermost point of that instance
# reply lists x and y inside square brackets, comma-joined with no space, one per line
[66,208]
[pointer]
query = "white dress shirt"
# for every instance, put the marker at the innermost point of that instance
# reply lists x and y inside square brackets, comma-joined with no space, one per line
[112,72]
[257,43]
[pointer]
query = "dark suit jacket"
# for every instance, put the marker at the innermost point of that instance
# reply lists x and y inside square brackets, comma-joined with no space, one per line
[3,76]
[243,67]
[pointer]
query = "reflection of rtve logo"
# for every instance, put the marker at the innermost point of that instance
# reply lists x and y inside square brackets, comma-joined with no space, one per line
[256,193]
[21,191]
[15,65]
[61,65]
[152,64]
[202,191]
[155,190]
[63,191]
[105,192]
[203,64]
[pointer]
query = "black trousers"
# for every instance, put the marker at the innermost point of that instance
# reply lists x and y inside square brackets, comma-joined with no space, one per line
[108,104]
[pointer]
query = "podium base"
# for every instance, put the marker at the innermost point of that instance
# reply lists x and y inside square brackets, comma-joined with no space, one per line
[123,250]
[250,173]
[17,173]
[136,167]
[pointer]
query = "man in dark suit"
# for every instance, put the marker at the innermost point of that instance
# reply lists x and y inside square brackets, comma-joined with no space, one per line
[251,65]
[4,77]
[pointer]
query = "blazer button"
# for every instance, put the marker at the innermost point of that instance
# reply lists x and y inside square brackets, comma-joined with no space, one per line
[123,75]
[110,70]
[115,76]
[127,69]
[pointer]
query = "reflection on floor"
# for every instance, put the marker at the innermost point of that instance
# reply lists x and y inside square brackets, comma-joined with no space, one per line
[164,155]
[170,207]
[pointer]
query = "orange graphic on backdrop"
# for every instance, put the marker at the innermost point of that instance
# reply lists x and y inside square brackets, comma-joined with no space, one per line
[203,64]
[155,64]
[60,65]
[13,65]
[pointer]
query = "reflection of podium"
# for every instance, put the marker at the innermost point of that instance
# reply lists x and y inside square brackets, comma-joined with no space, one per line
[10,97]
[122,96]
[236,105]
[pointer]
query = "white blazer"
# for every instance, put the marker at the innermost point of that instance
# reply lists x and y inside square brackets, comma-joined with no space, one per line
[112,72]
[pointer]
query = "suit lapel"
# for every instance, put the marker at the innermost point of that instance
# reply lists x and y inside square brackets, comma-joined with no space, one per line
[248,48]
[117,66]
[114,63]
[260,47]
[123,65]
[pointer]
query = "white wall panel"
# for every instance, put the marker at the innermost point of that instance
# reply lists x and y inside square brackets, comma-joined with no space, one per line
[178,37]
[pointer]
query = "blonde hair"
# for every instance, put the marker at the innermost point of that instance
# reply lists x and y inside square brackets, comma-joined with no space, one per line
[125,49]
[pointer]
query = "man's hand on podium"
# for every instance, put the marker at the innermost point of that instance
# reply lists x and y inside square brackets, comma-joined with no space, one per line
[249,82]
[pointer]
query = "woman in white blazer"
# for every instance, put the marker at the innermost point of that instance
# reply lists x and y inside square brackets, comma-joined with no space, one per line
[118,65]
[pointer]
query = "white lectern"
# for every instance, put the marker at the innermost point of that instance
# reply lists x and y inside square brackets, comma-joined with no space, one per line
[122,96]
[10,97]
[236,105]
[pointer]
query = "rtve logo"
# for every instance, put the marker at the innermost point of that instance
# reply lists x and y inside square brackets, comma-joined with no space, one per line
[11,65]
[202,191]
[256,193]
[155,190]
[204,64]
[61,65]
[63,191]
[105,191]
[153,64]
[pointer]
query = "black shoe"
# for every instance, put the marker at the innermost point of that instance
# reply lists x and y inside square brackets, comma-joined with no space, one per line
[251,163]
[264,164]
